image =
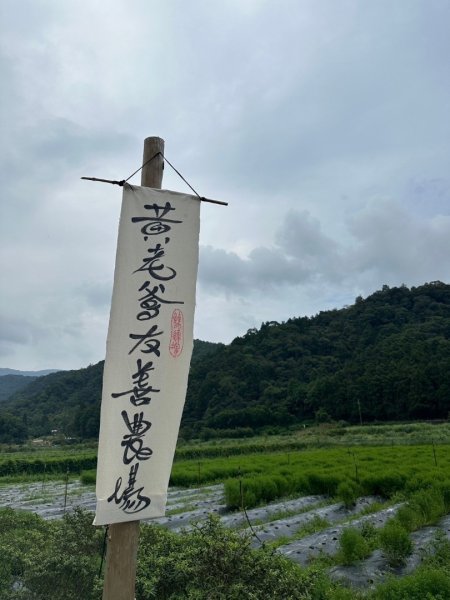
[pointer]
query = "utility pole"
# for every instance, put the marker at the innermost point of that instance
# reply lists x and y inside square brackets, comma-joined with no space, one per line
[123,538]
[360,414]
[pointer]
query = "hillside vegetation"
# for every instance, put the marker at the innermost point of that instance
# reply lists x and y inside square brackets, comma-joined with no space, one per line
[10,384]
[65,401]
[385,358]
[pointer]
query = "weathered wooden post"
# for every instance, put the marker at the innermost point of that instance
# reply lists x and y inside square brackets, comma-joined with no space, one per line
[123,538]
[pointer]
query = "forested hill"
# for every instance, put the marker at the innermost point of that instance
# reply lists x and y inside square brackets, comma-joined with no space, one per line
[9,384]
[384,358]
[66,401]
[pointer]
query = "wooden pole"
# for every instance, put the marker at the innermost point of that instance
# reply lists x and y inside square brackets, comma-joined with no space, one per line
[123,538]
[152,173]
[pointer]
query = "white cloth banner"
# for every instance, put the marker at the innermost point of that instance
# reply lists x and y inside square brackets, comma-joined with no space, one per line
[148,352]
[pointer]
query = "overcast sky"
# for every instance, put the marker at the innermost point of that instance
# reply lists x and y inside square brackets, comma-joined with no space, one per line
[324,123]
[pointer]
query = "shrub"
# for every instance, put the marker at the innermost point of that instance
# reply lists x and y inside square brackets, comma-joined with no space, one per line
[429,505]
[241,492]
[232,494]
[437,553]
[211,562]
[56,560]
[19,530]
[424,507]
[88,477]
[67,567]
[348,492]
[299,483]
[323,483]
[353,546]
[424,584]
[395,542]
[407,518]
[445,490]
[384,484]
[251,491]
[369,533]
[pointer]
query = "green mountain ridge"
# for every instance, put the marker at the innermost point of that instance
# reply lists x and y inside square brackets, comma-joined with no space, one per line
[65,401]
[13,380]
[10,384]
[386,357]
[5,371]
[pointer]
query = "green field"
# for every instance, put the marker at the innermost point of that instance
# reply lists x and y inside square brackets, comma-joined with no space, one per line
[193,461]
[407,464]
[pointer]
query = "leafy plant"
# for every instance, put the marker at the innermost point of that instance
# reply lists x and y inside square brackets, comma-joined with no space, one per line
[56,560]
[424,507]
[348,492]
[88,477]
[214,563]
[424,584]
[352,546]
[395,543]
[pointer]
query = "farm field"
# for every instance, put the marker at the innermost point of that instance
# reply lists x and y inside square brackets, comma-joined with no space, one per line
[30,460]
[357,514]
[301,529]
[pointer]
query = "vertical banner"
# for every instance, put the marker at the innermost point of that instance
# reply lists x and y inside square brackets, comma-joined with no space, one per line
[148,352]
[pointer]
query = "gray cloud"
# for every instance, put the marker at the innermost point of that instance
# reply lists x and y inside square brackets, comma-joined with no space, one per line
[325,125]
[399,247]
[386,245]
[300,254]
[97,294]
[13,331]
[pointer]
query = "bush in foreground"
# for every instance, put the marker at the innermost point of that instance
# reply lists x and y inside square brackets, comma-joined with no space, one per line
[60,560]
[214,563]
[424,584]
[49,560]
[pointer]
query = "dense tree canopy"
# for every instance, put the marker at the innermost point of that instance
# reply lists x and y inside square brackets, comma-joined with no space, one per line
[383,358]
[9,384]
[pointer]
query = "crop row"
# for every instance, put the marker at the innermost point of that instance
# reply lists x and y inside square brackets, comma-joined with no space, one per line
[258,478]
[424,507]
[374,473]
[24,466]
[325,436]
[252,479]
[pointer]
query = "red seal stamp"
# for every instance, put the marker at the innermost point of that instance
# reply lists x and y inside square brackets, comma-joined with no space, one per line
[176,333]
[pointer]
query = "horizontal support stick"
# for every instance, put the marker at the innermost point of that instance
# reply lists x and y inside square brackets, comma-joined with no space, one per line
[122,183]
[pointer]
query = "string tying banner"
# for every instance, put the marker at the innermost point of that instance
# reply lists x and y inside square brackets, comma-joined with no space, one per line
[122,182]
